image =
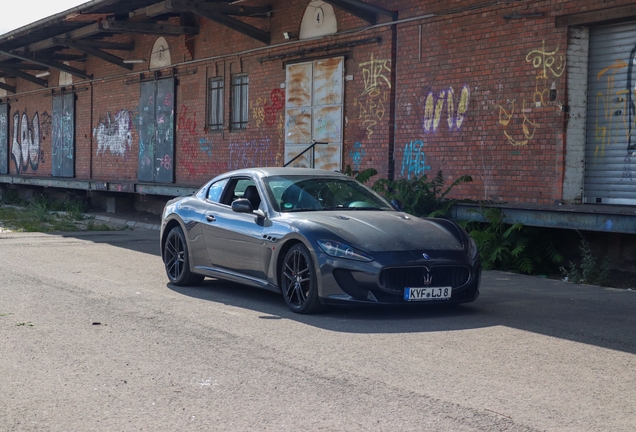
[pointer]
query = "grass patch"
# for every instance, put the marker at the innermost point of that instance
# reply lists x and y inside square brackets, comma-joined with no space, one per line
[45,215]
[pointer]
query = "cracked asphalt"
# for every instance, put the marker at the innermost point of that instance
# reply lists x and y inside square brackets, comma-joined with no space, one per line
[93,338]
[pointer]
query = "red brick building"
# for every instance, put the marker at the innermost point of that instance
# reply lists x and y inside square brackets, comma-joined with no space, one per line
[533,99]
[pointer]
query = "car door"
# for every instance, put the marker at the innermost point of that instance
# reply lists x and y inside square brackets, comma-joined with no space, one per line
[234,240]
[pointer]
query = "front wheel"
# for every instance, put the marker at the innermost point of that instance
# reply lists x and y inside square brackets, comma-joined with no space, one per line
[298,281]
[176,260]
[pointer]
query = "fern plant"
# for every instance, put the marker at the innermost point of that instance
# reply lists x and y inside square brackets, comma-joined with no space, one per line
[420,196]
[513,247]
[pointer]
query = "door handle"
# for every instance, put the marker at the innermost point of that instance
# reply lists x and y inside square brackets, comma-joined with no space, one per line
[210,218]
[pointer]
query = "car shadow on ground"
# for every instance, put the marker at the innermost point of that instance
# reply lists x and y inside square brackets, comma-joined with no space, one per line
[578,313]
[138,240]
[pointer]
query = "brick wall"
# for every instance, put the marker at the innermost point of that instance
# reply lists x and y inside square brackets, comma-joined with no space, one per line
[464,89]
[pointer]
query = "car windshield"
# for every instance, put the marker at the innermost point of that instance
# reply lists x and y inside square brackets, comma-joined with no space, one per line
[311,193]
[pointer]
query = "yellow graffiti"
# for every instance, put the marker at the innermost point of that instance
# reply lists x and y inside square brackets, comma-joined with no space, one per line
[611,110]
[258,111]
[433,109]
[281,139]
[528,127]
[547,61]
[620,64]
[374,74]
[371,112]
[549,65]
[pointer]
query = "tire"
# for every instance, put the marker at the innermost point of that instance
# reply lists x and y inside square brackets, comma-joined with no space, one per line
[298,281]
[177,261]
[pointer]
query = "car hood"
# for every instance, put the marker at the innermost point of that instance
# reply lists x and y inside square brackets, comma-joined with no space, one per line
[384,231]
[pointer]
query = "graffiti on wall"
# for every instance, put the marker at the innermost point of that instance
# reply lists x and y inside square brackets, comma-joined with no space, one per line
[254,153]
[114,135]
[455,109]
[4,139]
[267,111]
[548,64]
[63,149]
[374,98]
[45,123]
[519,124]
[356,155]
[615,113]
[414,160]
[26,142]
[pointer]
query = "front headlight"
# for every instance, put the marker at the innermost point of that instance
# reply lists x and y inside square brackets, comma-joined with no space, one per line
[341,250]
[473,251]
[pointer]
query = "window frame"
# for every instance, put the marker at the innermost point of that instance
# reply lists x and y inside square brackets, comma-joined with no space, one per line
[215,126]
[239,115]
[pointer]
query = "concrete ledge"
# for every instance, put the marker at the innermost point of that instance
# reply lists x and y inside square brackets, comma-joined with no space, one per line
[584,217]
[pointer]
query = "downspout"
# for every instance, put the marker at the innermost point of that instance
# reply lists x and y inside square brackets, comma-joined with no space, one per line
[393,109]
[90,158]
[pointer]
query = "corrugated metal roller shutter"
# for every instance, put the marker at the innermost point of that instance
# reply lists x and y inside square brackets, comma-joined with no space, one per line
[610,160]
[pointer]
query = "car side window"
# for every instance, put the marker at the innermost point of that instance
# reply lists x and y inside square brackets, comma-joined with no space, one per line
[215,191]
[242,188]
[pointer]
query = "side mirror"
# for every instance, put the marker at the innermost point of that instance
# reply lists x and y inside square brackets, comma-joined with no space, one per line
[397,205]
[242,205]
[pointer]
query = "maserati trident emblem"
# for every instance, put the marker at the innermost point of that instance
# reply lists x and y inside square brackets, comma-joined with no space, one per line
[428,277]
[425,255]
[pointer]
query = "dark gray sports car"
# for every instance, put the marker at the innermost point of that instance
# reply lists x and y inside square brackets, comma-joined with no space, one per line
[319,238]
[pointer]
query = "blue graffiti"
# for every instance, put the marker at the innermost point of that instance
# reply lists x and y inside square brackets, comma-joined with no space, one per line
[414,160]
[206,146]
[356,155]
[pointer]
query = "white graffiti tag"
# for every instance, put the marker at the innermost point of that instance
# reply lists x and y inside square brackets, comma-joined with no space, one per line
[115,136]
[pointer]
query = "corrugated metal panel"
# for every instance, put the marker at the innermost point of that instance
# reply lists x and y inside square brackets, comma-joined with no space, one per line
[610,167]
[314,112]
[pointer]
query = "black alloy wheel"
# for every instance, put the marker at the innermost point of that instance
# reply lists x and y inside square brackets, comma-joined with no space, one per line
[176,260]
[298,281]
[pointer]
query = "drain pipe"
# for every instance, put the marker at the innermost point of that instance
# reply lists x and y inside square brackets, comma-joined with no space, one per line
[393,109]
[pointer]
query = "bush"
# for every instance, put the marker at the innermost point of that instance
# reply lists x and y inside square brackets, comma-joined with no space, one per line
[419,196]
[512,247]
[591,270]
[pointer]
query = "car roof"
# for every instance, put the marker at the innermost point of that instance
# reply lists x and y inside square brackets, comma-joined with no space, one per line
[279,171]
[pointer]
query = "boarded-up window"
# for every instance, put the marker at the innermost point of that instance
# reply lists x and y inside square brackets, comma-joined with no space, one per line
[313,112]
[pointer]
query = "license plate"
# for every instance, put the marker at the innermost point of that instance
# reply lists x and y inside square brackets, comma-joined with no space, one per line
[427,294]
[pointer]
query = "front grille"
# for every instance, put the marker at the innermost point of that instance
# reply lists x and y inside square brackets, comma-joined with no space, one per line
[396,279]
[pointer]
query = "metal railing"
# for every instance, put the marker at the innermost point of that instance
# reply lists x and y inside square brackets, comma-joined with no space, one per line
[312,147]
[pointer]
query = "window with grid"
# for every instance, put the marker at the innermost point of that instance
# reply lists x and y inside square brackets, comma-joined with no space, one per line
[215,104]
[240,85]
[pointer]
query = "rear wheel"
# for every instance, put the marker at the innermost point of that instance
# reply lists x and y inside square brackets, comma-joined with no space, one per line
[176,260]
[298,281]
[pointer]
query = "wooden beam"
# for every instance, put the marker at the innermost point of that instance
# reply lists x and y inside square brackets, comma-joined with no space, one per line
[114,26]
[84,32]
[62,57]
[24,66]
[50,63]
[360,8]
[25,76]
[115,46]
[622,13]
[207,11]
[7,87]
[94,52]
[163,8]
